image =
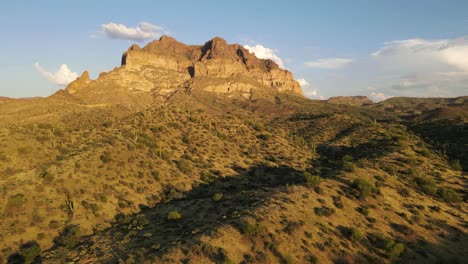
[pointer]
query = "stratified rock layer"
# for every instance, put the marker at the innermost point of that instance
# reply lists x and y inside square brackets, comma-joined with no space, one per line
[165,66]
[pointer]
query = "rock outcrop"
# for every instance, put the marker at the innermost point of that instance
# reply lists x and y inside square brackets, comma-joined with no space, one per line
[80,82]
[214,59]
[165,66]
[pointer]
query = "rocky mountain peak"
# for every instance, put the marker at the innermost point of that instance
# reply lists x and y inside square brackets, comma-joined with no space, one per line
[165,66]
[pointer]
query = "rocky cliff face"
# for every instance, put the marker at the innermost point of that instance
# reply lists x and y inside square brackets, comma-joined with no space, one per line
[215,59]
[165,66]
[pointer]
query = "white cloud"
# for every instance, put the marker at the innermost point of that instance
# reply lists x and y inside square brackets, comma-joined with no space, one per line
[423,68]
[303,82]
[328,63]
[450,52]
[308,89]
[265,53]
[142,32]
[62,76]
[377,97]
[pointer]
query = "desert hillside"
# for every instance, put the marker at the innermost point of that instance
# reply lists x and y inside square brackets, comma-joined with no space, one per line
[207,154]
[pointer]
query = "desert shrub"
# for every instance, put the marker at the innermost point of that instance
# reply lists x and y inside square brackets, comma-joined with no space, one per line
[355,234]
[171,192]
[253,229]
[364,210]
[185,165]
[364,187]
[147,140]
[337,201]
[324,211]
[93,207]
[312,180]
[30,251]
[456,165]
[257,127]
[292,226]
[380,241]
[105,157]
[396,250]
[347,163]
[426,184]
[69,237]
[174,216]
[207,176]
[217,197]
[156,175]
[404,192]
[311,259]
[449,195]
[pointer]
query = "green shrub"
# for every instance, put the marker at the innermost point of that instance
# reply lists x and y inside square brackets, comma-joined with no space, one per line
[312,180]
[364,187]
[147,140]
[449,195]
[456,165]
[253,229]
[397,250]
[69,237]
[347,163]
[185,165]
[426,184]
[30,251]
[207,176]
[217,197]
[355,234]
[156,175]
[324,211]
[174,216]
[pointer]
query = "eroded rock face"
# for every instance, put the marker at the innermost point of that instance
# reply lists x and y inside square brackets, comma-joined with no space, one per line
[165,66]
[80,82]
[215,59]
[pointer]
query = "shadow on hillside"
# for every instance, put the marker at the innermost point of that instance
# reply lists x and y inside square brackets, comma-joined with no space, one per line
[449,138]
[335,159]
[150,233]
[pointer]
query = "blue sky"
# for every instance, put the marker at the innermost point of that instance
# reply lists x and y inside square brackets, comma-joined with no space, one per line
[374,48]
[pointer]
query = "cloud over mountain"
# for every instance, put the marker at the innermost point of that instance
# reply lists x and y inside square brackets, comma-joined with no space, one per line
[265,53]
[62,76]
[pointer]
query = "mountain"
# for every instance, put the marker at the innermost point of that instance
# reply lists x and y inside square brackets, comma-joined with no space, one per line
[166,66]
[207,154]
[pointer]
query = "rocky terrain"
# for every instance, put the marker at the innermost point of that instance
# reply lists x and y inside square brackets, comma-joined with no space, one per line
[207,154]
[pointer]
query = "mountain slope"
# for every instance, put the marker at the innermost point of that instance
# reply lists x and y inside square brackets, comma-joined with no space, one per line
[117,170]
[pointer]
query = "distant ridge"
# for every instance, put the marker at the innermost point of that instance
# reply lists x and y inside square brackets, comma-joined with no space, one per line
[350,100]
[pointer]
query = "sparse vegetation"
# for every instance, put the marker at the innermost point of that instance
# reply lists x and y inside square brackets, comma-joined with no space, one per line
[217,197]
[174,216]
[181,181]
[312,180]
[364,187]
